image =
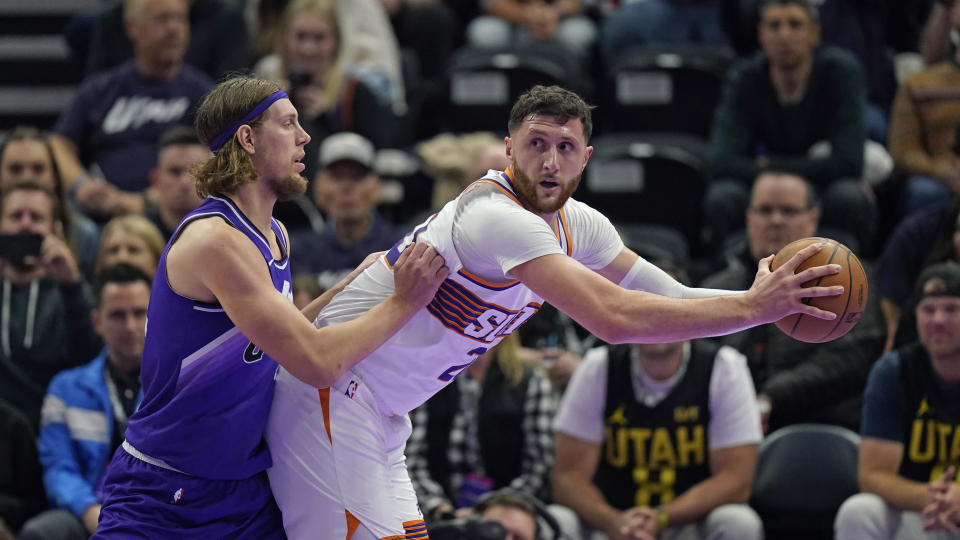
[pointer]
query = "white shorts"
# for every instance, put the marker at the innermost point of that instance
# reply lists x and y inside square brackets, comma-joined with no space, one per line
[338,463]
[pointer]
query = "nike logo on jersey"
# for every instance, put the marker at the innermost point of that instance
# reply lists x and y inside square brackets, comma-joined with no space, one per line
[462,311]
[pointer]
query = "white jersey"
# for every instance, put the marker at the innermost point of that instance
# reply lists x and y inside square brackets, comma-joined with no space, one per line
[482,235]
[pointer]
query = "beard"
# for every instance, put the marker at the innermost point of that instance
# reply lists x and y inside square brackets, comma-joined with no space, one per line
[527,192]
[289,187]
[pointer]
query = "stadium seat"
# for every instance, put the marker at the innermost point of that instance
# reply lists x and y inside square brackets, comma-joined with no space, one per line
[648,178]
[804,473]
[663,88]
[484,83]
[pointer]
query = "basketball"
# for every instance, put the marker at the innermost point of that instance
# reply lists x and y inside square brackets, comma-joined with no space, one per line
[848,305]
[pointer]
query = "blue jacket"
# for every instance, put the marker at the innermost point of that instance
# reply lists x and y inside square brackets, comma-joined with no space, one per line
[76,428]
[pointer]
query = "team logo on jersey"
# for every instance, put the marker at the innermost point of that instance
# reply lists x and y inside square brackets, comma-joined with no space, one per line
[351,389]
[462,311]
[177,495]
[252,354]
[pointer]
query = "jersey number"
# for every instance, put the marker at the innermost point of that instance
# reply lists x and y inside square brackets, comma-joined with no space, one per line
[451,372]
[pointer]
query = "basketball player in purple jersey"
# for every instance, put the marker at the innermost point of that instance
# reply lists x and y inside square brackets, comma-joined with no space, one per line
[220,321]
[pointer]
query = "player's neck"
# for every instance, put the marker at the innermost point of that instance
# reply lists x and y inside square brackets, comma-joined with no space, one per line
[257,204]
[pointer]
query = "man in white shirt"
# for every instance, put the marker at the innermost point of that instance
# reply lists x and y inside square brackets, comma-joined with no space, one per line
[659,441]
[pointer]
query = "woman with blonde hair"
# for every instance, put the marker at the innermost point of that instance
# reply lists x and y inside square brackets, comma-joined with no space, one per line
[132,239]
[328,90]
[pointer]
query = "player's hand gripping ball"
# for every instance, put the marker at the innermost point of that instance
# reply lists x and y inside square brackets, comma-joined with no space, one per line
[848,305]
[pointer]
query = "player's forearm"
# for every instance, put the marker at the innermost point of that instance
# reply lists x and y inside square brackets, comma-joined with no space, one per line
[648,318]
[581,496]
[896,490]
[694,504]
[335,349]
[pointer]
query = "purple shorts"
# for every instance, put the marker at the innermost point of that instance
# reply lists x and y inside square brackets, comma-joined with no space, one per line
[141,500]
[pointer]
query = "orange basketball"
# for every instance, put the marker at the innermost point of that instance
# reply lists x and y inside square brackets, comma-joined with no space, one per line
[848,306]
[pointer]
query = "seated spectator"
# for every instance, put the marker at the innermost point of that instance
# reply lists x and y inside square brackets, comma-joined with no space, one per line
[133,240]
[938,39]
[347,189]
[172,194]
[911,413]
[21,479]
[456,161]
[308,63]
[777,105]
[112,126]
[922,238]
[86,409]
[218,43]
[45,326]
[659,440]
[488,430]
[796,381]
[926,112]
[642,22]
[560,22]
[873,31]
[26,153]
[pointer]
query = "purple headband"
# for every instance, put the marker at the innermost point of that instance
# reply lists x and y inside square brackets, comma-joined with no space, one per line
[225,136]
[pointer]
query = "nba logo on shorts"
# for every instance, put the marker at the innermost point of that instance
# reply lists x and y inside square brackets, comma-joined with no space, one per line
[177,495]
[351,389]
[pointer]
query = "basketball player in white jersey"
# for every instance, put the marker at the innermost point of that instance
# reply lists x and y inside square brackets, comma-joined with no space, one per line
[511,240]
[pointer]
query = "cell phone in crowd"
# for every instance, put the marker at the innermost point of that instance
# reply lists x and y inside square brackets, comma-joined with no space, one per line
[14,248]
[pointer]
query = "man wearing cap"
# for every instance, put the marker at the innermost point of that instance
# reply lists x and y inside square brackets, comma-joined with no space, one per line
[346,188]
[911,425]
[221,319]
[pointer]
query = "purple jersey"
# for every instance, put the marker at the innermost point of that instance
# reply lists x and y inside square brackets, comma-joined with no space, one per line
[206,388]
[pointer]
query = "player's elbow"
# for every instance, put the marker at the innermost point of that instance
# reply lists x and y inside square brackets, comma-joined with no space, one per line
[616,330]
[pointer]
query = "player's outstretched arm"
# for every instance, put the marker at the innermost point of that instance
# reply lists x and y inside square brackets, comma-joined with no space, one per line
[234,275]
[633,272]
[617,315]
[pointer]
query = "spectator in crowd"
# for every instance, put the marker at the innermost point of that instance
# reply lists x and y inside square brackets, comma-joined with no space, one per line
[777,105]
[133,240]
[86,409]
[872,30]
[488,430]
[657,439]
[309,64]
[560,22]
[455,161]
[511,510]
[347,189]
[172,194]
[926,112]
[218,38]
[21,480]
[45,325]
[642,22]
[26,153]
[117,116]
[939,38]
[796,381]
[911,415]
[922,238]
